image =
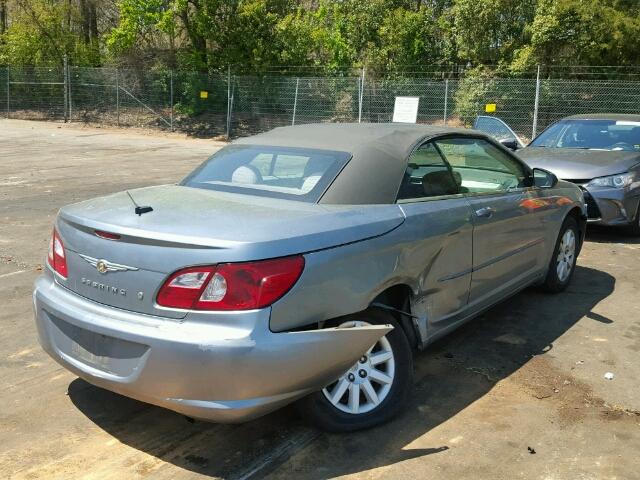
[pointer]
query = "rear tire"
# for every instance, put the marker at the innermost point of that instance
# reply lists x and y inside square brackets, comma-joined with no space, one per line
[378,386]
[565,255]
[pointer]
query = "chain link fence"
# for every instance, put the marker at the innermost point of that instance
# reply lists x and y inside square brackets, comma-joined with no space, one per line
[229,105]
[4,92]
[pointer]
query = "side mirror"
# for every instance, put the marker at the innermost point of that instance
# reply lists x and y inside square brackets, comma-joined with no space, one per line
[510,143]
[543,178]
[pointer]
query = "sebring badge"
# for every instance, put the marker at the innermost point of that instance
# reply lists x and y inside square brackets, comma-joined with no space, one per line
[103,287]
[104,266]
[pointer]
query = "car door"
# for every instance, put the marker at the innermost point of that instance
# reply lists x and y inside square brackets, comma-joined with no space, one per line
[508,234]
[438,219]
[498,129]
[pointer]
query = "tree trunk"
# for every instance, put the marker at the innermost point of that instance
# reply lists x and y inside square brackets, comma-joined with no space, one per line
[89,20]
[93,21]
[198,42]
[84,17]
[3,16]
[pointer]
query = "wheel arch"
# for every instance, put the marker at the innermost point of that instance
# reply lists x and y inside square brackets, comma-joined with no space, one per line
[397,300]
[581,219]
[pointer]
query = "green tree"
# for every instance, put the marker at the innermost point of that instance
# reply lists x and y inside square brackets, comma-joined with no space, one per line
[582,32]
[488,31]
[387,36]
[41,32]
[406,39]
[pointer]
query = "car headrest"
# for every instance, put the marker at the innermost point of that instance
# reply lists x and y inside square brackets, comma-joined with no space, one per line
[246,174]
[457,177]
[439,183]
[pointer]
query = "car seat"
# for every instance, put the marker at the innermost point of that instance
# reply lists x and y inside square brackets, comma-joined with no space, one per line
[247,174]
[440,182]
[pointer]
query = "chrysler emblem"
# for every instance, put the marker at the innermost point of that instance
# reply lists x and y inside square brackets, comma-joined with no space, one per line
[104,266]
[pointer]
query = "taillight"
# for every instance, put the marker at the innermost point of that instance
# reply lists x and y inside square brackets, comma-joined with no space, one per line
[183,288]
[57,258]
[231,286]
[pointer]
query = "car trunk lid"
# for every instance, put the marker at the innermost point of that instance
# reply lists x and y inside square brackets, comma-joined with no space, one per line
[191,226]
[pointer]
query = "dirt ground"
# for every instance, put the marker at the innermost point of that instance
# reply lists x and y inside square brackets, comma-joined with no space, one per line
[517,393]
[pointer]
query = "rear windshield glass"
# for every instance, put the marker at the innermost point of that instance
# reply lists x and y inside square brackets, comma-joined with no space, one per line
[280,172]
[592,135]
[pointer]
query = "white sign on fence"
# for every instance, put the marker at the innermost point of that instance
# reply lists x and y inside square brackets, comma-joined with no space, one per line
[405,109]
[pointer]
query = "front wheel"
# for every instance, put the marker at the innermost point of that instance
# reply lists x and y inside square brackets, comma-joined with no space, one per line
[374,389]
[634,227]
[565,255]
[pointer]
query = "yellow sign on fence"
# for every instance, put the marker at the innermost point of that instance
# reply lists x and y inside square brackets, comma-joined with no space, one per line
[490,107]
[204,94]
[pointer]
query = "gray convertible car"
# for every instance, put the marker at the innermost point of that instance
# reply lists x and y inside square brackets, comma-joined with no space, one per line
[307,263]
[598,152]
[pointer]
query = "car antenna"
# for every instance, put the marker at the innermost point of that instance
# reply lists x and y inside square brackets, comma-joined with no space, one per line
[139,210]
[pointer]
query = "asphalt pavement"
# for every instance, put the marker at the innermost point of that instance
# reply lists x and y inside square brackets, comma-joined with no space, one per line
[517,393]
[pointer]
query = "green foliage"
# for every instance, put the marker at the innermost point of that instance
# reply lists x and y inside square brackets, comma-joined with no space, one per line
[140,20]
[406,38]
[386,36]
[323,37]
[187,88]
[41,33]
[473,93]
[487,31]
[583,32]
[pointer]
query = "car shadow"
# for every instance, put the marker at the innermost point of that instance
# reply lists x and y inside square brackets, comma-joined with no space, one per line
[603,234]
[453,373]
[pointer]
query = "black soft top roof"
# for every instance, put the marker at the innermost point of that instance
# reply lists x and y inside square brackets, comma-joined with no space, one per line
[378,154]
[394,138]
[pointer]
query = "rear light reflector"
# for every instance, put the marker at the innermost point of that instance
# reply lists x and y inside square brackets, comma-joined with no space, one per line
[107,235]
[231,286]
[57,257]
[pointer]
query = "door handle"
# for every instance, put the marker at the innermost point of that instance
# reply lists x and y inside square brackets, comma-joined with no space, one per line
[485,212]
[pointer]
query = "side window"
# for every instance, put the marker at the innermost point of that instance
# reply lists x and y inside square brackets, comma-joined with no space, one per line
[494,127]
[481,166]
[427,175]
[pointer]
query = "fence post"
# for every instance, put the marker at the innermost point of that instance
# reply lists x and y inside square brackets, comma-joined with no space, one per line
[446,99]
[171,98]
[65,65]
[8,95]
[536,105]
[233,94]
[228,102]
[69,95]
[295,102]
[117,97]
[361,97]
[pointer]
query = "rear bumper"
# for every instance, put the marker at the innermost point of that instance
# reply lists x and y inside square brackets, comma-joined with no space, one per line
[612,206]
[220,367]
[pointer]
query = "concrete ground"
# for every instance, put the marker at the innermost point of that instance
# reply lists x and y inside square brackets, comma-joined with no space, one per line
[517,393]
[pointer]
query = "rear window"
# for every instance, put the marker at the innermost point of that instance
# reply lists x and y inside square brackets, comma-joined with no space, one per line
[281,172]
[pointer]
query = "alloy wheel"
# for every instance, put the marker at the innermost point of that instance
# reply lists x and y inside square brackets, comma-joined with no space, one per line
[366,384]
[566,255]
